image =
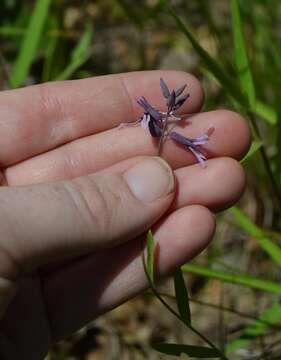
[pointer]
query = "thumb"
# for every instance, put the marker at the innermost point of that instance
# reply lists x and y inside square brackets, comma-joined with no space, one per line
[43,223]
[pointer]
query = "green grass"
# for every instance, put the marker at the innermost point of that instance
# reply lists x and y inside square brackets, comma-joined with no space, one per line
[30,43]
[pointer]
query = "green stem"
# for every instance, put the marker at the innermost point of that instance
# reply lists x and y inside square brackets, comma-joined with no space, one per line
[227,309]
[160,146]
[169,308]
[274,186]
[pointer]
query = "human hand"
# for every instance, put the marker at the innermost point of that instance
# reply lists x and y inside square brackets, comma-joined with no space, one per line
[71,228]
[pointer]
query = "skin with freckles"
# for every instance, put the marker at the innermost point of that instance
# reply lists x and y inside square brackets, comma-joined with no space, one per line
[60,152]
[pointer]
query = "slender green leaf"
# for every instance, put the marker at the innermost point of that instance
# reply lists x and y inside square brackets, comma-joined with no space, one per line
[255,146]
[190,350]
[172,311]
[245,223]
[257,328]
[245,280]
[30,43]
[51,45]
[266,112]
[261,109]
[79,55]
[211,64]
[229,84]
[240,55]
[182,296]
[150,256]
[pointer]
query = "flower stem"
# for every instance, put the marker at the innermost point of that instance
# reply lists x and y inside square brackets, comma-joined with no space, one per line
[161,141]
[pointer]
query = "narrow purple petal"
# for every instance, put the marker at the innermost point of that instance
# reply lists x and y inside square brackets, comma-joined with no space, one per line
[149,108]
[194,144]
[171,100]
[201,158]
[165,89]
[180,90]
[180,138]
[201,140]
[181,101]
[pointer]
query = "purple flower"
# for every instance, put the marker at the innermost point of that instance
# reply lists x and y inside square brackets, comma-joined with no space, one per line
[152,118]
[194,144]
[173,101]
[157,122]
[149,109]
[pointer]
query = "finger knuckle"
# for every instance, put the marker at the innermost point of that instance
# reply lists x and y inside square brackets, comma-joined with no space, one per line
[97,204]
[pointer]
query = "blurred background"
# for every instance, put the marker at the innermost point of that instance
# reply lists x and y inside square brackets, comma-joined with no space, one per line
[233,47]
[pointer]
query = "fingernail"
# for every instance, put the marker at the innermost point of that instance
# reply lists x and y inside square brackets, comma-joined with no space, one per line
[150,179]
[7,292]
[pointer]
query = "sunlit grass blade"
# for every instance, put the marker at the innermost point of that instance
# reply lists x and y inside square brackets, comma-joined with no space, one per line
[211,64]
[255,146]
[229,84]
[79,55]
[182,296]
[29,45]
[240,55]
[266,112]
[245,280]
[257,328]
[150,256]
[190,350]
[245,223]
[52,44]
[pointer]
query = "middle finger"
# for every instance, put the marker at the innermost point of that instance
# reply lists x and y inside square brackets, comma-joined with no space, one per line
[96,152]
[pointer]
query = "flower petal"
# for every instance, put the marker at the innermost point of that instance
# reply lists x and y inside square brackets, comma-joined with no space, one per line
[181,101]
[149,108]
[201,158]
[165,89]
[145,120]
[180,90]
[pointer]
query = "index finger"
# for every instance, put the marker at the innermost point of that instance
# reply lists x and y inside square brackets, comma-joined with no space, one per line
[39,118]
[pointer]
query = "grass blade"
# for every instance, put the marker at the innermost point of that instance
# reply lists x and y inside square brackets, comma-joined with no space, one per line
[266,112]
[79,55]
[245,223]
[255,146]
[245,280]
[150,256]
[190,350]
[229,84]
[240,55]
[51,46]
[182,296]
[211,64]
[30,43]
[257,328]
